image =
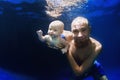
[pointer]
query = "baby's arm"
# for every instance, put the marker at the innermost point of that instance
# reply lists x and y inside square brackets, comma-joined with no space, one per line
[41,37]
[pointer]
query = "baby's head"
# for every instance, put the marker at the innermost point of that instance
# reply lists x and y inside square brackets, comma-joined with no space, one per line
[56,28]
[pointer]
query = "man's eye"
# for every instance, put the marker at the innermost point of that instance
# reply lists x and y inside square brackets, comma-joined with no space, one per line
[75,31]
[83,30]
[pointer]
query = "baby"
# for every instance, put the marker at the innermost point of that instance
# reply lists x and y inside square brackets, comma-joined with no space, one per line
[57,37]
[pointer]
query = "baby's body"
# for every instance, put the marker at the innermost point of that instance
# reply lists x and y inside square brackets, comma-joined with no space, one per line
[56,37]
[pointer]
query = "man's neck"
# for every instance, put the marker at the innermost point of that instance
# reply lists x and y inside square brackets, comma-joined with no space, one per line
[82,44]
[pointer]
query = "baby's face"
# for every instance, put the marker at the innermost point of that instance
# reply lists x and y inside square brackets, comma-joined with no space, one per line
[54,31]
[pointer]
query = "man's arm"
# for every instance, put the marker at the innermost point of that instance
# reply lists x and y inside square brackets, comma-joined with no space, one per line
[90,60]
[79,70]
[76,68]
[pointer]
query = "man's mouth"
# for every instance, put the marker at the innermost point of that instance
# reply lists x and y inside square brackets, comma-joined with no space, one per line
[80,38]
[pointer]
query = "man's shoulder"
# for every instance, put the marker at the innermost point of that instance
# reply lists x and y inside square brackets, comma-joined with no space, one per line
[68,35]
[66,32]
[95,42]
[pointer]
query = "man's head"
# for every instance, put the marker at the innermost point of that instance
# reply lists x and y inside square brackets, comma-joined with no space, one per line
[56,28]
[80,29]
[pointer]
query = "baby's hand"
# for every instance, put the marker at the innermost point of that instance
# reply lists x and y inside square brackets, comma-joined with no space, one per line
[40,33]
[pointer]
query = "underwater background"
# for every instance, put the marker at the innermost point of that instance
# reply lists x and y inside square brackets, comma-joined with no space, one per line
[24,57]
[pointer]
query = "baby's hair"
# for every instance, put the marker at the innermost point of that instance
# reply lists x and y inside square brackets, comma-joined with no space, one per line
[57,23]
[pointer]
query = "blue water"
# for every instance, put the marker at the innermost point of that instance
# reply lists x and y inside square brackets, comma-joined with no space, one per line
[24,57]
[113,74]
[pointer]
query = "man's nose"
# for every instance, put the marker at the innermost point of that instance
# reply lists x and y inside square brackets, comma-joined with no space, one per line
[79,34]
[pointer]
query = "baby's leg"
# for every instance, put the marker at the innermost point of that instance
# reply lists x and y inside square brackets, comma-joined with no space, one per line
[64,50]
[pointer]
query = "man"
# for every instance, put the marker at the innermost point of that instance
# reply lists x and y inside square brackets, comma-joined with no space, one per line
[83,51]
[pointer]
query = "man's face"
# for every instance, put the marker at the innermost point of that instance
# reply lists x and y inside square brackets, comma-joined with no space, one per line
[54,31]
[80,32]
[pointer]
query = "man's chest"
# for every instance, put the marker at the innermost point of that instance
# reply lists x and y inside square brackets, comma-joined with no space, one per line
[82,53]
